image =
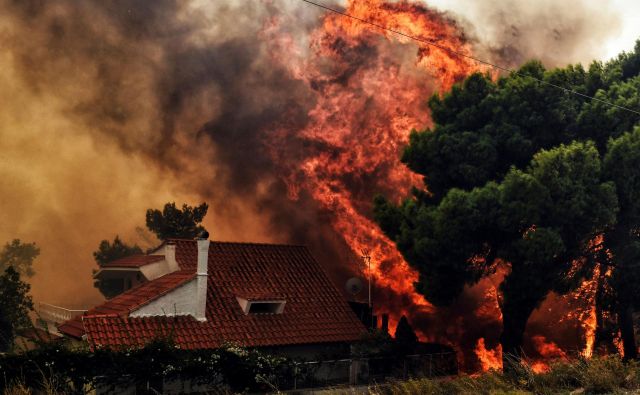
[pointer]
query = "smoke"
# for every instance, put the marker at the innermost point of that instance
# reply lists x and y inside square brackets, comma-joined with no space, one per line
[511,32]
[102,109]
[108,108]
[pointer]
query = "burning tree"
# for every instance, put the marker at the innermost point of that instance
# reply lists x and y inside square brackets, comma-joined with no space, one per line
[621,164]
[508,185]
[539,220]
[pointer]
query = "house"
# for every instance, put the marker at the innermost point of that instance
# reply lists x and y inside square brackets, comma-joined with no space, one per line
[207,293]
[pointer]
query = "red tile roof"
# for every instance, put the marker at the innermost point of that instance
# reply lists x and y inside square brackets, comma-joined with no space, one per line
[315,311]
[134,261]
[128,301]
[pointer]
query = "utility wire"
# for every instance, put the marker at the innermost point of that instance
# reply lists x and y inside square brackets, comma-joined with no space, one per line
[451,51]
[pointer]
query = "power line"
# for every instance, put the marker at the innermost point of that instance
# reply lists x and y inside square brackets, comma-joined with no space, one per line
[442,47]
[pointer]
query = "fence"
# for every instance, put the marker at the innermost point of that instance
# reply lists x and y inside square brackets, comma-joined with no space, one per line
[56,314]
[365,371]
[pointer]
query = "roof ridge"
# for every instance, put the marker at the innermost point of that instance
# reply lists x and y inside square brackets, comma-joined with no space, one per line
[154,249]
[249,243]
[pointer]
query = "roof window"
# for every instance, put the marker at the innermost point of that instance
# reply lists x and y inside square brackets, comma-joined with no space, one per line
[261,306]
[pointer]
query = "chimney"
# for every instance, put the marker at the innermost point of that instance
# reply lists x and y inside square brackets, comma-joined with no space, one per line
[203,263]
[170,256]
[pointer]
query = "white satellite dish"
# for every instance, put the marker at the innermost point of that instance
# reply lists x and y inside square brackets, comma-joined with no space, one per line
[354,286]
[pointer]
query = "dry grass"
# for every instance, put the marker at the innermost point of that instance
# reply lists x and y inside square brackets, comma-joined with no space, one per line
[606,375]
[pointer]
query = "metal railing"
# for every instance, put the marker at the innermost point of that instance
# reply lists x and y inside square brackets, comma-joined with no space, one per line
[56,314]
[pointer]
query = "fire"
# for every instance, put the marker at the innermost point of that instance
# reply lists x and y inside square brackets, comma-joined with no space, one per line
[589,326]
[582,307]
[548,351]
[371,88]
[489,359]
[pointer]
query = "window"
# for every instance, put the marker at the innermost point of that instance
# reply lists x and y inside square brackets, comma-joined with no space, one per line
[270,306]
[265,307]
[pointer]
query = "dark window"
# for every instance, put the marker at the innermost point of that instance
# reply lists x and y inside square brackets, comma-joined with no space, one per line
[264,307]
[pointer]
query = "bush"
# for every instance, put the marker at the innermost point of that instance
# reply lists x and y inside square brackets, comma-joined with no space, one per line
[56,368]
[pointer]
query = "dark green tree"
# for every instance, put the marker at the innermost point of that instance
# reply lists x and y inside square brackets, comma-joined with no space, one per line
[405,337]
[479,206]
[622,243]
[20,256]
[539,221]
[109,252]
[173,222]
[15,305]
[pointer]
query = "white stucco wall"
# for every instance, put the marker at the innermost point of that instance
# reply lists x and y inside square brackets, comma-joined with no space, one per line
[180,301]
[155,270]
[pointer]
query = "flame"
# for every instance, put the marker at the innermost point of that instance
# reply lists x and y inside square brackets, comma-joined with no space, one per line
[618,344]
[489,359]
[371,87]
[547,351]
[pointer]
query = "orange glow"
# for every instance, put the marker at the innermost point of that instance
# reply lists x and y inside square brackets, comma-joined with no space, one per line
[547,351]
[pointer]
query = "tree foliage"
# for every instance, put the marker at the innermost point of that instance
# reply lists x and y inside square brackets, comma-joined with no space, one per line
[109,252]
[20,256]
[514,177]
[405,337]
[173,222]
[622,166]
[15,305]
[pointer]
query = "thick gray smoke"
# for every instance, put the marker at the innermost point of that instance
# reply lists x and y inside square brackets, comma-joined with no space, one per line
[113,107]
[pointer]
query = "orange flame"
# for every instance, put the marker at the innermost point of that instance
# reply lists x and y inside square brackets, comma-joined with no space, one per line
[548,351]
[372,88]
[489,359]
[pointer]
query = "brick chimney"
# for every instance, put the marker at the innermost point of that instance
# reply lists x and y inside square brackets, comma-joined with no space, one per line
[203,263]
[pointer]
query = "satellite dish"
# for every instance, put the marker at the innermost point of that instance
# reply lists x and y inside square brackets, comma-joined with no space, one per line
[354,286]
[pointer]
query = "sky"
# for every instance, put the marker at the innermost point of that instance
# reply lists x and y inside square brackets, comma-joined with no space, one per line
[616,21]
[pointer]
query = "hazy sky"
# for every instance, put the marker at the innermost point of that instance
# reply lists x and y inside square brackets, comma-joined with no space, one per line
[616,21]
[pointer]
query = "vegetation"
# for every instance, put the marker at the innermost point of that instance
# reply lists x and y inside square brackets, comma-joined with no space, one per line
[173,222]
[622,165]
[55,368]
[20,256]
[525,175]
[405,337]
[15,305]
[606,375]
[109,252]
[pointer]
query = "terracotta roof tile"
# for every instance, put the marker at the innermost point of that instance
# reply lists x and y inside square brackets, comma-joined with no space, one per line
[134,261]
[315,311]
